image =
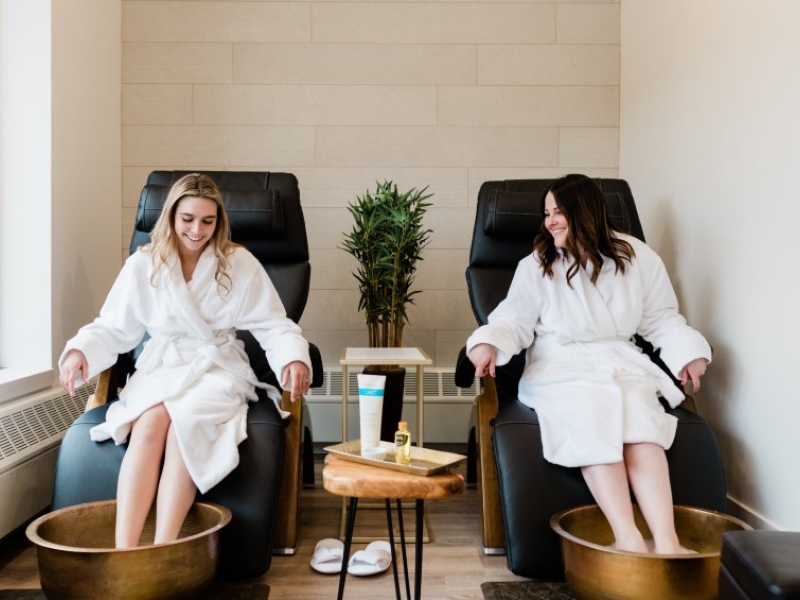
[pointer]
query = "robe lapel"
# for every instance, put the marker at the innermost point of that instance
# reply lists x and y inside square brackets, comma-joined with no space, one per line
[185,302]
[594,304]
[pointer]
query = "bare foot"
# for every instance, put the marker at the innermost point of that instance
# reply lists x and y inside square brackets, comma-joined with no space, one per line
[634,544]
[671,550]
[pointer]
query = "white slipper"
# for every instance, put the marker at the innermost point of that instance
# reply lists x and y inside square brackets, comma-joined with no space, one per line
[373,559]
[327,556]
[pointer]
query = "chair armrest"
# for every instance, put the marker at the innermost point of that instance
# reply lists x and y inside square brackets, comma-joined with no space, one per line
[318,376]
[688,404]
[465,370]
[295,409]
[102,390]
[287,518]
[110,380]
[487,401]
[492,532]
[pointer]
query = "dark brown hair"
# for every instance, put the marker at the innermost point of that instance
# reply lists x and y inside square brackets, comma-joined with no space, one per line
[583,205]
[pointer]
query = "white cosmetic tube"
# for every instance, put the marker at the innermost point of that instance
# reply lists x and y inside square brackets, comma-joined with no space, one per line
[370,409]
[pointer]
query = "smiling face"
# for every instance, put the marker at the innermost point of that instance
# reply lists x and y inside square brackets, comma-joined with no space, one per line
[195,223]
[555,222]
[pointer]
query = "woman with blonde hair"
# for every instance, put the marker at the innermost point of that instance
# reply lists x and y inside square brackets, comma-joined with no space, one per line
[184,294]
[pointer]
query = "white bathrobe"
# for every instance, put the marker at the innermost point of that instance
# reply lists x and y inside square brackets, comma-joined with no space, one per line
[592,387]
[192,363]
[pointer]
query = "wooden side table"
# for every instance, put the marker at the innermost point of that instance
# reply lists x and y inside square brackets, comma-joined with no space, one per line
[354,480]
[385,356]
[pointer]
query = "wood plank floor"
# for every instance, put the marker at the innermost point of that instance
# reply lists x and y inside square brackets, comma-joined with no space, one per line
[454,565]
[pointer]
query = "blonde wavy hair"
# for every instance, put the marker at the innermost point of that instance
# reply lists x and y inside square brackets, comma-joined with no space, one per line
[164,241]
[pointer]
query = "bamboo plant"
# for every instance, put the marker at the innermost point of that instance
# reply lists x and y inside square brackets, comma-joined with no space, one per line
[387,241]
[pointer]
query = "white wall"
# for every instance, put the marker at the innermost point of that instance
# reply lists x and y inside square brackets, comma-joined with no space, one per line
[60,178]
[60,201]
[710,143]
[25,166]
[427,93]
[60,162]
[87,163]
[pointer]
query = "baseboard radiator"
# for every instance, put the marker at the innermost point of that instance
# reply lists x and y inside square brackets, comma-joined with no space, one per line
[447,407]
[31,429]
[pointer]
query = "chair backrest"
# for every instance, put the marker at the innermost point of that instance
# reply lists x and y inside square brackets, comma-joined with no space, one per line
[266,218]
[508,218]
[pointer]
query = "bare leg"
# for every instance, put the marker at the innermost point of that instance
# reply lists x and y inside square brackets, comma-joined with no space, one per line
[609,486]
[648,474]
[176,493]
[138,475]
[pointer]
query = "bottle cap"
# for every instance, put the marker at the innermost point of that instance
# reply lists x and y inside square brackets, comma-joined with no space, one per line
[402,425]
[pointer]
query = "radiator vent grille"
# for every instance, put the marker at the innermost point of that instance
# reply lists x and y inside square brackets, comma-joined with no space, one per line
[437,384]
[37,422]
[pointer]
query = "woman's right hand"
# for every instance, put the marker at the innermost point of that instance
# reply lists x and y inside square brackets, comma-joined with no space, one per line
[74,365]
[484,357]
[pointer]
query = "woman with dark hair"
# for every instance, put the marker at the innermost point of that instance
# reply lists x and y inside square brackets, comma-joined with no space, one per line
[575,304]
[189,289]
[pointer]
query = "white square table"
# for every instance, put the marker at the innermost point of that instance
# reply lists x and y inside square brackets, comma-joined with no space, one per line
[403,357]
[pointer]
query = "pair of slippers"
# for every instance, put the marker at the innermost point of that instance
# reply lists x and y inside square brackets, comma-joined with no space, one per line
[373,559]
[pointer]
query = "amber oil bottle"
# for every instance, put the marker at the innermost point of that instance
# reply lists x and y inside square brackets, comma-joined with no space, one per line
[402,444]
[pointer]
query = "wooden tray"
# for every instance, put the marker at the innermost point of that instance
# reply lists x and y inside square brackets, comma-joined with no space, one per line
[424,461]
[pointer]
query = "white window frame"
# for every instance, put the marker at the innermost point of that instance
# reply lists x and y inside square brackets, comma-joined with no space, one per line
[25,198]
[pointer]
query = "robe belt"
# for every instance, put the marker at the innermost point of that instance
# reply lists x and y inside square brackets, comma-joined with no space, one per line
[166,350]
[620,353]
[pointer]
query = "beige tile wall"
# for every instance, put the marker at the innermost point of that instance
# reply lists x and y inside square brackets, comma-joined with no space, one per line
[343,94]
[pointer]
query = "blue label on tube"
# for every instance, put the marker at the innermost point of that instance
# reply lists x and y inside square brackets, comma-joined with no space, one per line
[369,392]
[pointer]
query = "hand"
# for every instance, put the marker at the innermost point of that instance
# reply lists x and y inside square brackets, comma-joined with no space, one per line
[693,371]
[484,357]
[74,365]
[296,378]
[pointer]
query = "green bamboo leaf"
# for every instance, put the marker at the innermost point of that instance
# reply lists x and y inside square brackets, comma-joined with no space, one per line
[387,240]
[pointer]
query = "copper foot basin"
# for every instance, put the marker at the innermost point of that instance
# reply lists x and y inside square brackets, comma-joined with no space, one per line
[594,570]
[78,561]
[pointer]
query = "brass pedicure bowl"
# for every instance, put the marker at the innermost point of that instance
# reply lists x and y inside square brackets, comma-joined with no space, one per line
[78,561]
[594,570]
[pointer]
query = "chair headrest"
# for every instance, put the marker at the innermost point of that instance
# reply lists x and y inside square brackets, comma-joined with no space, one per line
[508,218]
[518,215]
[252,212]
[266,218]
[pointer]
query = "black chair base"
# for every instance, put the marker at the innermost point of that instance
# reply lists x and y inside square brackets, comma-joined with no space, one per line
[760,564]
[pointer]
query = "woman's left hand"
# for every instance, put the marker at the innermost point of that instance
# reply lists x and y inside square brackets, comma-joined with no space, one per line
[693,371]
[296,379]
